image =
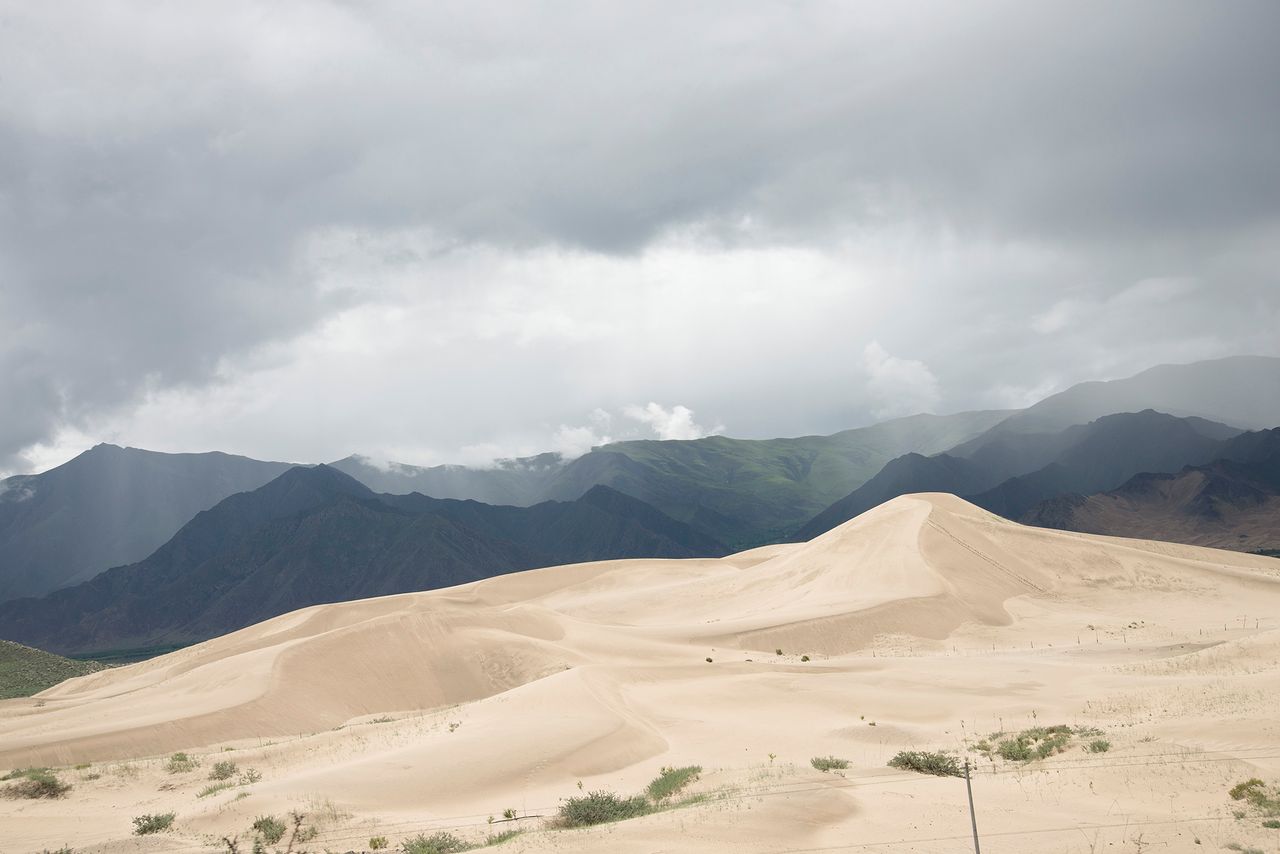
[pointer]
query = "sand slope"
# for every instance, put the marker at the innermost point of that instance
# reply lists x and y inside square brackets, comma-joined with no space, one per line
[928,622]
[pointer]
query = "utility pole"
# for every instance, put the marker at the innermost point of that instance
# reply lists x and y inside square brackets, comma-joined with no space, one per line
[973,818]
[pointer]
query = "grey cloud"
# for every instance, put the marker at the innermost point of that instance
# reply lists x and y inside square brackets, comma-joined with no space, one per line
[161,168]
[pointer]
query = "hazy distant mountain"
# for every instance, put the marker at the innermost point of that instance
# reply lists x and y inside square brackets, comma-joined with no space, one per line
[316,535]
[108,506]
[747,492]
[1010,472]
[1231,503]
[515,481]
[743,492]
[1242,391]
[1107,452]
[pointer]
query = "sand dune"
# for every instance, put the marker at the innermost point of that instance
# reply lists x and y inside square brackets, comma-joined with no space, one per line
[927,623]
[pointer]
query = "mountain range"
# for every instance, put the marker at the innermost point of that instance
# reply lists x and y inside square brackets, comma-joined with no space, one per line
[1232,502]
[206,543]
[316,535]
[106,507]
[1009,472]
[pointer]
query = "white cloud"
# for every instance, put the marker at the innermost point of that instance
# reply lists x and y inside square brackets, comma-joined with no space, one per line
[674,423]
[898,386]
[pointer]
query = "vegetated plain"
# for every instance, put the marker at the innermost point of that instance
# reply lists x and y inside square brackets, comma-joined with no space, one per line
[1083,678]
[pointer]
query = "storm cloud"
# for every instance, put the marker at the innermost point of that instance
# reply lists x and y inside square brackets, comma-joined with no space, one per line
[455,231]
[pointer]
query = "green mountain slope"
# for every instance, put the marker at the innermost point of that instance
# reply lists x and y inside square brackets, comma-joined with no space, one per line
[748,492]
[25,671]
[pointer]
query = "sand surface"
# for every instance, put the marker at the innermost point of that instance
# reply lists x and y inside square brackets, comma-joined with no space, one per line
[928,624]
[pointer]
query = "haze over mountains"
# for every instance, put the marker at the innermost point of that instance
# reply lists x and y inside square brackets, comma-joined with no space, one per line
[108,506]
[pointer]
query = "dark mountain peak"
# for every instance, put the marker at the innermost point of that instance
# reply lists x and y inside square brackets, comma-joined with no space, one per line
[320,480]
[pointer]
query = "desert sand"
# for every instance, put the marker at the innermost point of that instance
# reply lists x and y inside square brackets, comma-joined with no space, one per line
[927,624]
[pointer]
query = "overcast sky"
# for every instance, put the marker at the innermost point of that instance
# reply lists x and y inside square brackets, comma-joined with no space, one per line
[448,232]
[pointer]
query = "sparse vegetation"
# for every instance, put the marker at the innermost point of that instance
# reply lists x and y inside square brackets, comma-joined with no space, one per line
[270,828]
[213,789]
[146,824]
[1257,794]
[923,762]
[181,763]
[504,836]
[377,843]
[34,784]
[223,770]
[1035,743]
[1099,745]
[600,808]
[509,813]
[829,763]
[436,843]
[25,671]
[804,658]
[671,781]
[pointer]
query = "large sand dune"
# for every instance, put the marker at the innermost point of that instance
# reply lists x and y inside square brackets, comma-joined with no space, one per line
[928,623]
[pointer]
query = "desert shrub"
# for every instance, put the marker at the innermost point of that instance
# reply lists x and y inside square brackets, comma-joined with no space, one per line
[1099,745]
[670,781]
[1272,824]
[1266,799]
[829,763]
[223,770]
[34,783]
[509,813]
[213,789]
[804,658]
[936,763]
[66,849]
[1241,791]
[144,824]
[270,828]
[777,652]
[251,775]
[181,763]
[1035,743]
[504,836]
[377,843]
[436,843]
[599,808]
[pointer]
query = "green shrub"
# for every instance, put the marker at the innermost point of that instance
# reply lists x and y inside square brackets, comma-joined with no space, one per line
[270,828]
[505,836]
[1034,743]
[936,763]
[1272,824]
[804,658]
[34,784]
[436,843]
[223,770]
[509,813]
[1099,745]
[181,763]
[144,824]
[377,843]
[599,808]
[670,781]
[829,763]
[213,789]
[777,652]
[1241,791]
